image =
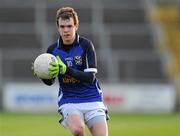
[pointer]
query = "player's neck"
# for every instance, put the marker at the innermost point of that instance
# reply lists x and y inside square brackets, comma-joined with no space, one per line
[67,43]
[67,47]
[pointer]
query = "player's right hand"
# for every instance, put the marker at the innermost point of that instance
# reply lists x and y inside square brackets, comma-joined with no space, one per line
[57,68]
[62,66]
[54,69]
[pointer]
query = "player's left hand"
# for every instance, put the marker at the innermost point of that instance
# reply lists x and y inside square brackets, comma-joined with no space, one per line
[57,68]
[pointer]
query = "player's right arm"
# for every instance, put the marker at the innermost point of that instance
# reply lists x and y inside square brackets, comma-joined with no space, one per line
[49,81]
[46,81]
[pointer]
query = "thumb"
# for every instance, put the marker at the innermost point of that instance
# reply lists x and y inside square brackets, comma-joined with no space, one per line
[58,59]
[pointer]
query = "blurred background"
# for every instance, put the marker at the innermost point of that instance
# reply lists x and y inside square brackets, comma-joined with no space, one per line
[137,44]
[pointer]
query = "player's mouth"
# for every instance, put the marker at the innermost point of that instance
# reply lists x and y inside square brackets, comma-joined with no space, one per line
[66,35]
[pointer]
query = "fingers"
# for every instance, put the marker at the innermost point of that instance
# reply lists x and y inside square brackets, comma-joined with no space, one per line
[53,74]
[57,57]
[53,68]
[53,63]
[59,60]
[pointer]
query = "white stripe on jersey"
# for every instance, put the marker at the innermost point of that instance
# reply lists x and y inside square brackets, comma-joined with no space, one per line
[99,90]
[60,96]
[94,70]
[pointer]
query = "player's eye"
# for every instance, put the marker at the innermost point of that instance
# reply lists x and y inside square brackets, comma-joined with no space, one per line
[62,26]
[69,26]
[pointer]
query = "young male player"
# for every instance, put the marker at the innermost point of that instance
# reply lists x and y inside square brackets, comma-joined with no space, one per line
[80,96]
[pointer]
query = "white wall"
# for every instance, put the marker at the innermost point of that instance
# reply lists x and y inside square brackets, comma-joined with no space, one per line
[150,98]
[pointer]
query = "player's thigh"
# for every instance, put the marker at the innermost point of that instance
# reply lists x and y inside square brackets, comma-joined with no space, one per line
[98,126]
[71,117]
[75,123]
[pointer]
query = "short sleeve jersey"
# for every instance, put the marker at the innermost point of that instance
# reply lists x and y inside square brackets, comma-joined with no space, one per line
[80,57]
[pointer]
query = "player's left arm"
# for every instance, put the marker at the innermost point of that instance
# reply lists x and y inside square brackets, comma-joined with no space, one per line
[88,75]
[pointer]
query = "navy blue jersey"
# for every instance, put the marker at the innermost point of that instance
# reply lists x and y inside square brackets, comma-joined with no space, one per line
[80,59]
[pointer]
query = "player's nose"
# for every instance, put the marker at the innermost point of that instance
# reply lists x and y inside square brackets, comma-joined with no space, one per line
[66,29]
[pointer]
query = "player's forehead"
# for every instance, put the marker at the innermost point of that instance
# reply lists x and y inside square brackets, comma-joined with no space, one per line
[66,22]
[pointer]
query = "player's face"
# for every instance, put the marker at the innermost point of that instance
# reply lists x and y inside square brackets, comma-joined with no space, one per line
[67,30]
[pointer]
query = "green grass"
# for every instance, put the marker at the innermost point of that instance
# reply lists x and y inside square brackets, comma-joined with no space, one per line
[18,124]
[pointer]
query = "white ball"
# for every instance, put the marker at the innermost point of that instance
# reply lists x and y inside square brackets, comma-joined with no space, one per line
[41,65]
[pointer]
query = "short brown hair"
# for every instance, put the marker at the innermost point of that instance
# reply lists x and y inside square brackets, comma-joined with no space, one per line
[67,13]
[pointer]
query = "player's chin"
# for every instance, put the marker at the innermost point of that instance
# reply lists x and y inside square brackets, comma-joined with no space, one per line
[67,40]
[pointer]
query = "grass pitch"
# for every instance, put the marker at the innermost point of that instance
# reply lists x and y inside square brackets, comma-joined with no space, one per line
[25,124]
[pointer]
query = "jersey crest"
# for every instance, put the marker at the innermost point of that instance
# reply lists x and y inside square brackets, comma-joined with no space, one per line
[78,60]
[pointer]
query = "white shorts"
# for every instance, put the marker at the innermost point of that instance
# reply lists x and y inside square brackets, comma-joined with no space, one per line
[87,112]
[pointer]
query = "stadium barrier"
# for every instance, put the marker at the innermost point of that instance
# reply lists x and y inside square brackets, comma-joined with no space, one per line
[146,98]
